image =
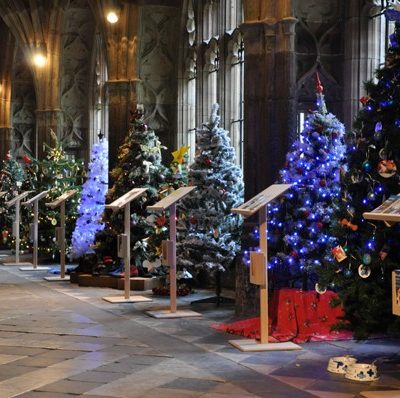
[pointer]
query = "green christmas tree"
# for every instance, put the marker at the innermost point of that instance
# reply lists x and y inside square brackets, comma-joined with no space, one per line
[139,166]
[211,238]
[15,177]
[359,264]
[57,174]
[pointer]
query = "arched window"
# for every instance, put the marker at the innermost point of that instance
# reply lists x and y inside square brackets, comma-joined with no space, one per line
[98,114]
[211,74]
[213,66]
[235,74]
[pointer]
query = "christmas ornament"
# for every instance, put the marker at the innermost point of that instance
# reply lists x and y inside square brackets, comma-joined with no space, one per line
[208,162]
[320,289]
[348,273]
[383,154]
[367,166]
[339,253]
[53,221]
[348,224]
[193,220]
[364,271]
[387,168]
[356,177]
[378,127]
[371,196]
[179,154]
[364,100]
[366,259]
[4,235]
[161,221]
[26,159]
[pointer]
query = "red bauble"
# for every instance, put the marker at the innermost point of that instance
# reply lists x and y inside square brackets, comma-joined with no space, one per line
[294,254]
[26,159]
[364,100]
[193,220]
[334,134]
[320,225]
[207,162]
[160,221]
[322,183]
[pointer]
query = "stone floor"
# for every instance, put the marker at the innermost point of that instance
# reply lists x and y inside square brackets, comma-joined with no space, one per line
[58,340]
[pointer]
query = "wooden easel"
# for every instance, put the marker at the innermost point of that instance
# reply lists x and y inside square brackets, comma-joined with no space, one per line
[35,227]
[60,233]
[169,253]
[259,269]
[124,243]
[17,202]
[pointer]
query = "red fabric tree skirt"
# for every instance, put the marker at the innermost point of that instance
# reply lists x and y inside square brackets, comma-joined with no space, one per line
[294,315]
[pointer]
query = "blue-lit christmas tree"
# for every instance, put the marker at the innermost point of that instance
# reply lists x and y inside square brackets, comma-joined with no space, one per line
[92,201]
[369,250]
[299,222]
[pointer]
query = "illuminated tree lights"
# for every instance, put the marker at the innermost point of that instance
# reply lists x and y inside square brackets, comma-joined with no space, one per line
[366,252]
[298,225]
[92,201]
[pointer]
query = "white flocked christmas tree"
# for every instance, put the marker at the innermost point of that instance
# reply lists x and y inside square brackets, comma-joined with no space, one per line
[92,201]
[212,233]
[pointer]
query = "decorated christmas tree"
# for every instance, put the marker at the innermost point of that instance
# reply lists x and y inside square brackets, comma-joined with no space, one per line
[57,174]
[15,177]
[12,177]
[139,166]
[92,201]
[366,252]
[211,238]
[299,222]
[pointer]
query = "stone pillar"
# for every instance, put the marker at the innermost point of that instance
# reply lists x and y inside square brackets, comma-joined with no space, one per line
[46,119]
[121,100]
[270,117]
[358,60]
[5,118]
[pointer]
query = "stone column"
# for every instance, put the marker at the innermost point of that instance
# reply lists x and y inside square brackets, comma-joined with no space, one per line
[5,118]
[121,100]
[358,60]
[270,117]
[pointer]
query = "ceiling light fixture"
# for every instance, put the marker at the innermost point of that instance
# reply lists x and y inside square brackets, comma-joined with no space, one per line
[39,59]
[112,16]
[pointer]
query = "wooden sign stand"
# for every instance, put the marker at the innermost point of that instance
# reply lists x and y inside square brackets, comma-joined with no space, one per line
[169,253]
[125,202]
[17,202]
[259,269]
[35,226]
[60,202]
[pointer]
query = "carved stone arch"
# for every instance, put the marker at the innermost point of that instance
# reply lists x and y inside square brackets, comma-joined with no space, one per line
[234,42]
[77,43]
[23,107]
[211,55]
